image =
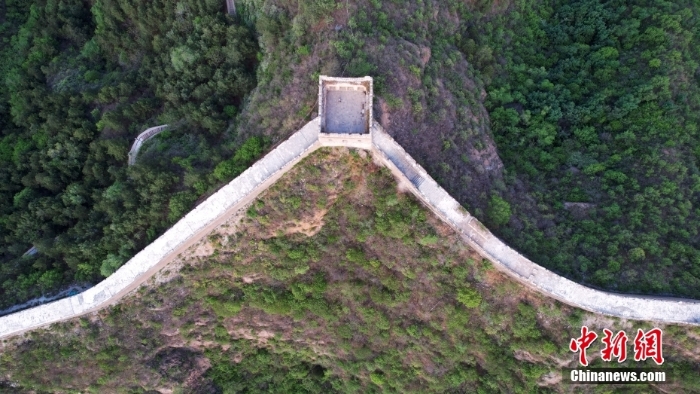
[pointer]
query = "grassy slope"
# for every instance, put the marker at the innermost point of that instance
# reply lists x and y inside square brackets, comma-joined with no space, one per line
[331,281]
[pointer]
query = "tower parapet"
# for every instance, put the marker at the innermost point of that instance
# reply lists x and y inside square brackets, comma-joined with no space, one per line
[345,109]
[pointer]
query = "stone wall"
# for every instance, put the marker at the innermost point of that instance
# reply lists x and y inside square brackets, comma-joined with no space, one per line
[669,310]
[231,7]
[217,208]
[184,233]
[326,82]
[141,139]
[349,140]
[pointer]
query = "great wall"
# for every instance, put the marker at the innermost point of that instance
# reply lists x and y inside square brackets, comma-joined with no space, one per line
[241,191]
[141,139]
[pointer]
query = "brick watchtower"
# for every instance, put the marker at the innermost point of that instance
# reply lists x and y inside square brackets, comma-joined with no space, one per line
[345,109]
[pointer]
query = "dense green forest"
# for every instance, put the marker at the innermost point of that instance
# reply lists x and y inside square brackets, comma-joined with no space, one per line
[80,80]
[569,128]
[594,107]
[332,281]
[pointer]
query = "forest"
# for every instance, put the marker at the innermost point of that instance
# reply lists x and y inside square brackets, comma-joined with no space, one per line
[568,128]
[595,113]
[81,80]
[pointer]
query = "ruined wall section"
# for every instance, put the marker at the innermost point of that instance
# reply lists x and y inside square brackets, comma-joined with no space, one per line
[141,139]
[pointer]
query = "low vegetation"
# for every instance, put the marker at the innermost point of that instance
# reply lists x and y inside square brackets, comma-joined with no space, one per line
[331,281]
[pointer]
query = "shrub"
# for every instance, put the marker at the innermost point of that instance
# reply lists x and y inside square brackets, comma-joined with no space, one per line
[356,256]
[180,203]
[469,297]
[377,377]
[110,264]
[224,308]
[251,149]
[637,254]
[428,240]
[230,110]
[499,211]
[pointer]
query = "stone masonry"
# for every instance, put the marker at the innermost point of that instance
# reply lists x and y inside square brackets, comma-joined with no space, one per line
[506,259]
[141,139]
[267,170]
[345,111]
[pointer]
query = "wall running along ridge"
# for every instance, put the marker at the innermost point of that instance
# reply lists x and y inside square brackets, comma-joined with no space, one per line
[659,309]
[141,139]
[196,224]
[235,195]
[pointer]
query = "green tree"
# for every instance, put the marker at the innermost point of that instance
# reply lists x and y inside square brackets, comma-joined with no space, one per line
[499,210]
[469,297]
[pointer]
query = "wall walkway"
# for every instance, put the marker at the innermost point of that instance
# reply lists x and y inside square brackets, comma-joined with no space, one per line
[239,192]
[141,139]
[670,310]
[231,7]
[196,224]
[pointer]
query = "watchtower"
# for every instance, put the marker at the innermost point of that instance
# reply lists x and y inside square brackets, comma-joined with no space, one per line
[345,109]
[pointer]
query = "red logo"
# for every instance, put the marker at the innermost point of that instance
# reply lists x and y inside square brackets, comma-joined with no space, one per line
[616,346]
[648,345]
[582,343]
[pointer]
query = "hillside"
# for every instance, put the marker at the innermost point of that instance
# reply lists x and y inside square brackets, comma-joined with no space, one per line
[79,81]
[569,129]
[333,280]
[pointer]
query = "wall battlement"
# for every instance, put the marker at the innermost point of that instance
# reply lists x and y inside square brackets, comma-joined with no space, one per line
[349,140]
[239,192]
